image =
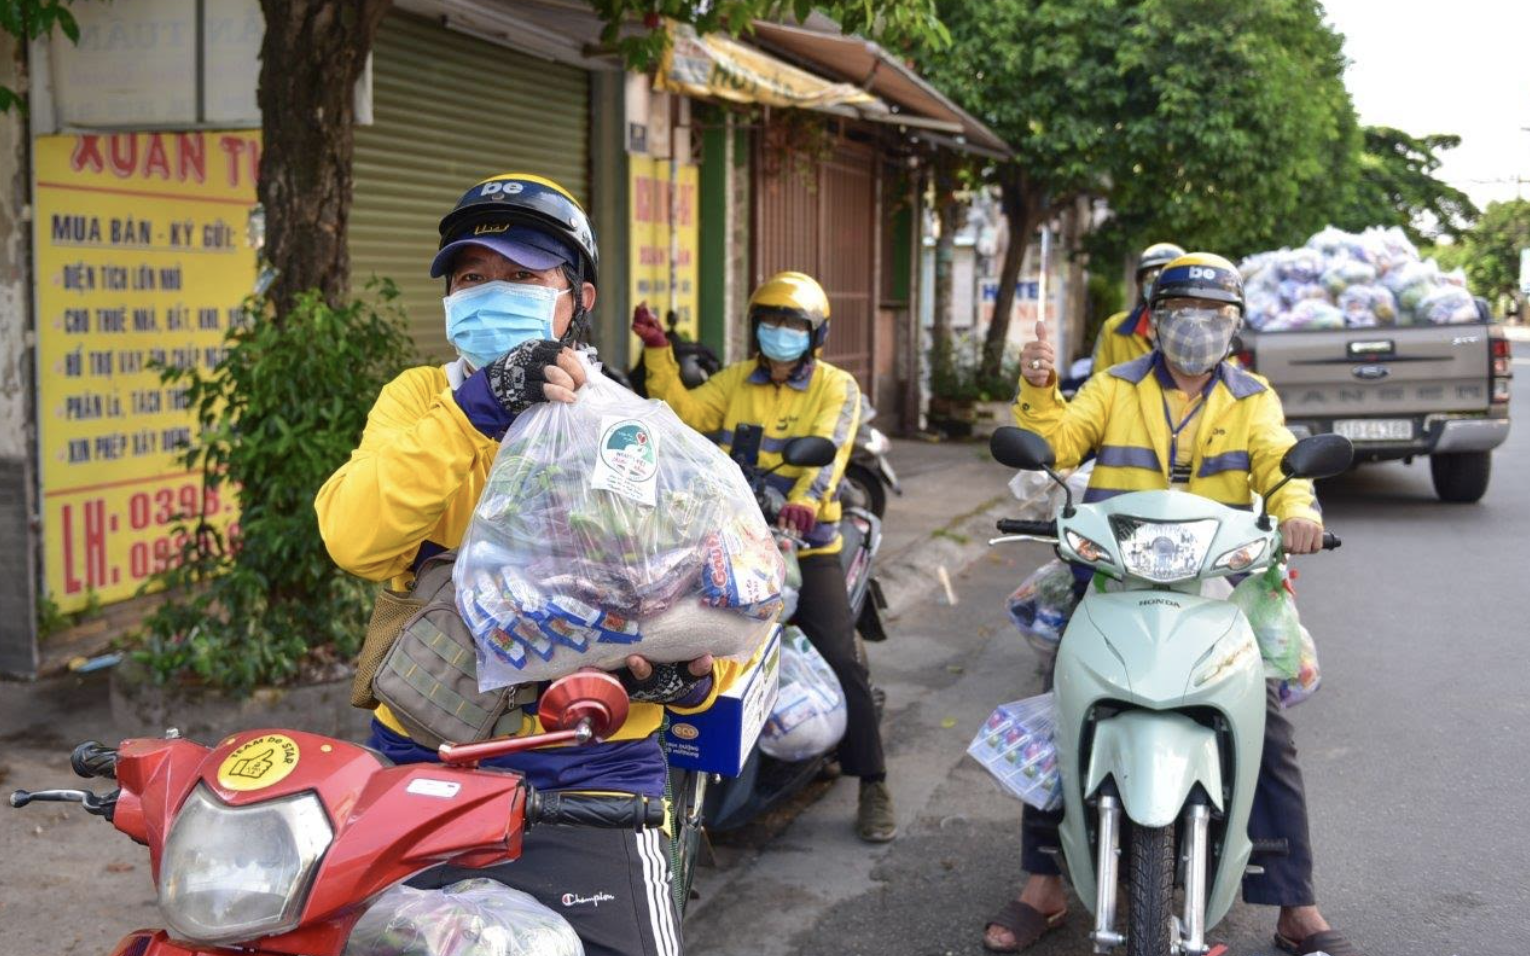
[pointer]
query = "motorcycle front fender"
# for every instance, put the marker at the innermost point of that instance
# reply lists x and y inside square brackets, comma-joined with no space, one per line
[1155,758]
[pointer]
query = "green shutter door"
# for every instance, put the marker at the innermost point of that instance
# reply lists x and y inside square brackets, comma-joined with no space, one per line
[450,110]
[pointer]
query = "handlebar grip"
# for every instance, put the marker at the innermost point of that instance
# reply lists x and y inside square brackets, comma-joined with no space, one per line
[1331,541]
[94,759]
[1044,529]
[588,810]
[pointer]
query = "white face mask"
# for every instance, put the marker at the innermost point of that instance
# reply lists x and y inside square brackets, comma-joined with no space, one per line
[1193,340]
[487,320]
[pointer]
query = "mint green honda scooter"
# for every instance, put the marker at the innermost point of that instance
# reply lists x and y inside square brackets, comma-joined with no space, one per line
[1160,697]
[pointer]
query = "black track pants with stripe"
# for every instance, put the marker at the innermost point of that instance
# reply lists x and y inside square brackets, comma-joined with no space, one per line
[613,886]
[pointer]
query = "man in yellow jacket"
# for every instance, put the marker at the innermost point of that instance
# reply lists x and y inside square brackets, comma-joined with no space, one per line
[1129,335]
[789,392]
[519,261]
[1181,416]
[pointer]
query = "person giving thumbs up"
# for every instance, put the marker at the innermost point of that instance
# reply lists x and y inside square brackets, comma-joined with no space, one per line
[1038,359]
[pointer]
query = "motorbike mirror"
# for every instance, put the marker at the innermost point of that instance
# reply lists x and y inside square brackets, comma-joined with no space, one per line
[1318,456]
[1021,449]
[590,694]
[809,451]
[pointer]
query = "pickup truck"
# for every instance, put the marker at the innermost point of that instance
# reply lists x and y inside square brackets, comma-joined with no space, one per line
[1397,392]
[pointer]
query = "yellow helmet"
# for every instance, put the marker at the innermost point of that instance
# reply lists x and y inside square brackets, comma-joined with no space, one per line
[794,293]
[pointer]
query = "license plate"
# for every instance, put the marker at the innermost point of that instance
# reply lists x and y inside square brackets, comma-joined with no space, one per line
[1375,429]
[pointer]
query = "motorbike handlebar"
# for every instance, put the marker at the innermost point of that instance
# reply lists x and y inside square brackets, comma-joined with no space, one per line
[94,759]
[1041,529]
[1331,541]
[589,810]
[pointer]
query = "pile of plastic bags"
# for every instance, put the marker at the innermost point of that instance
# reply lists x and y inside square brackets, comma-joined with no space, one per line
[1352,280]
[1016,746]
[608,528]
[478,917]
[809,716]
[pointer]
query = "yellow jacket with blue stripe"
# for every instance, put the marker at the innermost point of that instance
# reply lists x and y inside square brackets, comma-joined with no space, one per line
[818,399]
[1119,416]
[1121,340]
[412,485]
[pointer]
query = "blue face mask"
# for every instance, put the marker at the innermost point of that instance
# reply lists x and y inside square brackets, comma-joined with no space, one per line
[781,343]
[488,320]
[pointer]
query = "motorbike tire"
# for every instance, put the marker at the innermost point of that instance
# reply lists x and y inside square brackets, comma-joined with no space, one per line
[686,847]
[1150,891]
[1461,477]
[861,488]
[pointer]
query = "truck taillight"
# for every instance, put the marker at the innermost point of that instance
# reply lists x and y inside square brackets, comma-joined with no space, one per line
[1502,366]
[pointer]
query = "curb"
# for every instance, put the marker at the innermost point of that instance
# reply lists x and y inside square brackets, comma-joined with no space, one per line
[909,576]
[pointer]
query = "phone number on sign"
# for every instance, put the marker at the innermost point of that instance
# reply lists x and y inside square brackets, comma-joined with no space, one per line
[92,532]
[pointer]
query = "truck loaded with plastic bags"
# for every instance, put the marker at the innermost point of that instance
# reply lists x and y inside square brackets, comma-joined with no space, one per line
[1363,337]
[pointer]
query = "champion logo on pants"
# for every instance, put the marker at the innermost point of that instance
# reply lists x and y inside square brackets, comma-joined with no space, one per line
[574,899]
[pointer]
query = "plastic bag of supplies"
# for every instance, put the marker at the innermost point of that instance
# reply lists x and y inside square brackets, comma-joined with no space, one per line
[478,917]
[1267,601]
[1015,745]
[808,719]
[1042,605]
[608,528]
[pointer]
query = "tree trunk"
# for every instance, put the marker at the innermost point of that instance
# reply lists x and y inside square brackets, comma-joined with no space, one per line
[948,209]
[1023,209]
[310,59]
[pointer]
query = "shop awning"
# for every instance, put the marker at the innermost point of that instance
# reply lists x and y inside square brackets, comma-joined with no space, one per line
[720,68]
[858,61]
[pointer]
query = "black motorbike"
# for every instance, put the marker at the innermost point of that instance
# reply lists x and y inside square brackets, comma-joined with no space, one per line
[708,802]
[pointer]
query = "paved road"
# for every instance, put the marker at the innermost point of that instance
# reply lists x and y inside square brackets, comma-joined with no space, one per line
[1416,751]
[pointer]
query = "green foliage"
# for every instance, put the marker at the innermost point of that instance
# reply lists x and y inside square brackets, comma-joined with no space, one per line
[51,619]
[280,412]
[1395,185]
[1490,251]
[31,20]
[636,27]
[956,373]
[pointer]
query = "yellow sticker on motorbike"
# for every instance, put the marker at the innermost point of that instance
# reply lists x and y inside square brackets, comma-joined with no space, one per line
[259,763]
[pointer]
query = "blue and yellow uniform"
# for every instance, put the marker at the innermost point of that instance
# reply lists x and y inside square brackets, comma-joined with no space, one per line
[1123,337]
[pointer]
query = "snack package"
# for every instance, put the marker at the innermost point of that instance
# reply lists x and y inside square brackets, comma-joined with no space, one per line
[608,528]
[1043,604]
[478,917]
[808,719]
[1307,679]
[1015,744]
[1268,603]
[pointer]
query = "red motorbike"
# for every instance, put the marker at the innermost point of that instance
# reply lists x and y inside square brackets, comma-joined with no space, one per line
[274,841]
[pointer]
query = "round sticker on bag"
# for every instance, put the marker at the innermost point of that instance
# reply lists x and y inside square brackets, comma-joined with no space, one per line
[259,763]
[628,460]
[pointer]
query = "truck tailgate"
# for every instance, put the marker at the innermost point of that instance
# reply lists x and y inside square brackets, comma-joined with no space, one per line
[1369,372]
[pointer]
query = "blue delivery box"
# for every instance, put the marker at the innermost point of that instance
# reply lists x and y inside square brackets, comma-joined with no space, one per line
[719,739]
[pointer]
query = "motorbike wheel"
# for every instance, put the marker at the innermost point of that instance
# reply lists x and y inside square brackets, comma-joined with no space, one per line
[862,489]
[1150,886]
[687,843]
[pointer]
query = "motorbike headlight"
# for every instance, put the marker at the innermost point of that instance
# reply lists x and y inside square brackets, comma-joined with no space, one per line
[1087,549]
[1241,557]
[234,873]
[1163,551]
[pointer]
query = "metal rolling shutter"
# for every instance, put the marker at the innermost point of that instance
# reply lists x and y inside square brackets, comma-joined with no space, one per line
[450,110]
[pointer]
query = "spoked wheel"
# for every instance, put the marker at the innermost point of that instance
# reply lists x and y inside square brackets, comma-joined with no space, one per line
[686,787]
[1150,889]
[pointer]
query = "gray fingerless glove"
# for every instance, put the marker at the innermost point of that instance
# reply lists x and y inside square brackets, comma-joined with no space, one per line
[516,378]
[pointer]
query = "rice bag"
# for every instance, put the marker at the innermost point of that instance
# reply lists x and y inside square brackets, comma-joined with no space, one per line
[477,917]
[809,716]
[1015,744]
[1267,601]
[608,528]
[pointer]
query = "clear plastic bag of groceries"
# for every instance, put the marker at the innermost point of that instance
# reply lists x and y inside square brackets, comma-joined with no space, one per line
[608,528]
[1267,601]
[1016,745]
[1042,605]
[1307,679]
[478,917]
[1039,496]
[808,719]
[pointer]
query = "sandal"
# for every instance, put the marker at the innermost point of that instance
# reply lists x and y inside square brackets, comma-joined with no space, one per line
[1329,941]
[1026,923]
